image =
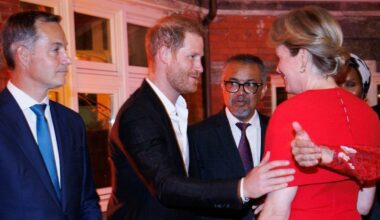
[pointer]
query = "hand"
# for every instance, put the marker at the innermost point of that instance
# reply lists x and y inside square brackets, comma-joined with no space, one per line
[266,178]
[305,152]
[258,208]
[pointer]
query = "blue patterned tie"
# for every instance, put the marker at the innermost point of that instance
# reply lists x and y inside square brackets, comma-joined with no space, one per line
[45,145]
[244,148]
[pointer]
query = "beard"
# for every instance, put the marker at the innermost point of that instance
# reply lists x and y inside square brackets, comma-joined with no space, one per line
[240,108]
[184,82]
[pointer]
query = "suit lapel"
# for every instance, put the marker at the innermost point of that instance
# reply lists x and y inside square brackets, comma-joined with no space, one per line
[60,129]
[228,143]
[224,133]
[17,129]
[159,114]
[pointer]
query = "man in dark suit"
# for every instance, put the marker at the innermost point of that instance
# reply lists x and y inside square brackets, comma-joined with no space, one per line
[216,139]
[45,170]
[148,143]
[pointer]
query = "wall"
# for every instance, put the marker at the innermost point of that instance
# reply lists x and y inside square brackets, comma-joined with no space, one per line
[233,33]
[7,7]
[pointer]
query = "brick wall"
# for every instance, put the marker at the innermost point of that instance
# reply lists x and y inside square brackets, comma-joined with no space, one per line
[232,34]
[7,7]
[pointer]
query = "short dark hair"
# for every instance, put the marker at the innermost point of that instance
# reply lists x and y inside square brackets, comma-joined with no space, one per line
[249,59]
[21,27]
[170,31]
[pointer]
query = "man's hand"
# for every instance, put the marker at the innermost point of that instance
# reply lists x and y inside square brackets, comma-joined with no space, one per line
[257,209]
[266,178]
[305,152]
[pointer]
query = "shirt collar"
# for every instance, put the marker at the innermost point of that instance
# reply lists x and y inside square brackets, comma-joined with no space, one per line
[23,99]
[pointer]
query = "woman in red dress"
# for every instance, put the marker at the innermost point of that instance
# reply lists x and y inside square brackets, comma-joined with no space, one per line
[360,162]
[309,47]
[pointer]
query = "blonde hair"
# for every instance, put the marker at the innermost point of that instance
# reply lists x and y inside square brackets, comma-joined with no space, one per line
[314,29]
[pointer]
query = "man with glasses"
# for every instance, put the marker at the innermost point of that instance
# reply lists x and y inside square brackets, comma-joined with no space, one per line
[220,142]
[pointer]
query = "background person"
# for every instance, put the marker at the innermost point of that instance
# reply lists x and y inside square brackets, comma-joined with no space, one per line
[45,167]
[148,142]
[217,139]
[355,78]
[309,47]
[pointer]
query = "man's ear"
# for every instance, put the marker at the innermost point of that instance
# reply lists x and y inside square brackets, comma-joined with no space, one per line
[164,54]
[22,54]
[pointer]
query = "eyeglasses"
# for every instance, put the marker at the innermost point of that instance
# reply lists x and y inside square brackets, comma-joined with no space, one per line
[249,87]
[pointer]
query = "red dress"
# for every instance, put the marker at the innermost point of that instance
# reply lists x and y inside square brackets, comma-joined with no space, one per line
[332,117]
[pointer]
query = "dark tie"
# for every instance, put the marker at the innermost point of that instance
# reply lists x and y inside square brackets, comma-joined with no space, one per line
[45,145]
[244,149]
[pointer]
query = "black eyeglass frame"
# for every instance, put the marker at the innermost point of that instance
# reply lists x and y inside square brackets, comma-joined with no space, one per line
[254,85]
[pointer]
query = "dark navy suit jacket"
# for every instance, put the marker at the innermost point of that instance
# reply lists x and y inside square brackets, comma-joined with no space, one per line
[26,191]
[216,156]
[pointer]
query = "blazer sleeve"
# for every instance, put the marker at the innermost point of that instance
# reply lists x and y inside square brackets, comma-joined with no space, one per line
[146,143]
[90,209]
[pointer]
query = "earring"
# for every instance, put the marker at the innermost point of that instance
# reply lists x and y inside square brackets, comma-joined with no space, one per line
[303,68]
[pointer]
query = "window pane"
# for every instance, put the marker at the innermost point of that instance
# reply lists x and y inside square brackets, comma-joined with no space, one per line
[92,38]
[136,48]
[96,110]
[26,6]
[53,95]
[281,95]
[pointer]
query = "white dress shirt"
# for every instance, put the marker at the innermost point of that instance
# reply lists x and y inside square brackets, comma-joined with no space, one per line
[253,134]
[178,114]
[24,101]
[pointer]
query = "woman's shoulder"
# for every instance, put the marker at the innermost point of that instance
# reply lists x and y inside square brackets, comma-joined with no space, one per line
[293,103]
[315,97]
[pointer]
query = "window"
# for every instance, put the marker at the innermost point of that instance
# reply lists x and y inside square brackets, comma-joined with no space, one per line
[96,110]
[281,95]
[92,38]
[54,96]
[136,48]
